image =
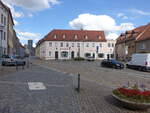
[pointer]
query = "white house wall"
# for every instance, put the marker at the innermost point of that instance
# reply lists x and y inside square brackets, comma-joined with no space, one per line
[48,52]
[3,43]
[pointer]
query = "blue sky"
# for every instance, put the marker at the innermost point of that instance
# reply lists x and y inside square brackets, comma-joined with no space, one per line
[35,18]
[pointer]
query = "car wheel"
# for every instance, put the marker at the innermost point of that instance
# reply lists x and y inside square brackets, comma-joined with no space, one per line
[115,67]
[102,65]
[24,63]
[140,69]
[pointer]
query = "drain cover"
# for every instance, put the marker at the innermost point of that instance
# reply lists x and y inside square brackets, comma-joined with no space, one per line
[36,86]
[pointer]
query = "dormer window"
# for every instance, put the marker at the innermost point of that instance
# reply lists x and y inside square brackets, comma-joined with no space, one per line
[99,37]
[64,36]
[86,37]
[76,36]
[55,36]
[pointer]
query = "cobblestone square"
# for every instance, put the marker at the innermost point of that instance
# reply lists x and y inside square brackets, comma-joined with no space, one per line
[60,95]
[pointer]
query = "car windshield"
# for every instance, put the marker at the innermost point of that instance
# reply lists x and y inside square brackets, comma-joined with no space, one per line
[114,61]
[13,57]
[5,56]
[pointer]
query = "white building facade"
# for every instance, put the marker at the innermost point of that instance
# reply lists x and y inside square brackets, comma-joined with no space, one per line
[69,44]
[3,29]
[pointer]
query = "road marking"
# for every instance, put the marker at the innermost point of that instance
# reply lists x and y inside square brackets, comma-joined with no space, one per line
[36,86]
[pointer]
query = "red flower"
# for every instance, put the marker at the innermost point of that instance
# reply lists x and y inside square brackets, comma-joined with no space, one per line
[133,92]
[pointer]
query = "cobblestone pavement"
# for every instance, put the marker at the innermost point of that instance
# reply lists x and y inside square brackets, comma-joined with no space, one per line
[93,71]
[59,97]
[95,98]
[6,70]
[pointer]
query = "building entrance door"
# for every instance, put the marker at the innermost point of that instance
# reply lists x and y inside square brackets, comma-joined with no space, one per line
[72,54]
[56,54]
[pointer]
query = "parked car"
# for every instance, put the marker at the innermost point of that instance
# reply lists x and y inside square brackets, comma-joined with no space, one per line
[12,61]
[140,62]
[112,64]
[89,58]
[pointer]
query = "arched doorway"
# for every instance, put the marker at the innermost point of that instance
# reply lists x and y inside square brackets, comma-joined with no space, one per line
[93,55]
[56,54]
[72,55]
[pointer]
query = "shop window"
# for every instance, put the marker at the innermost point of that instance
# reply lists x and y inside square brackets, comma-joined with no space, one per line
[64,54]
[101,55]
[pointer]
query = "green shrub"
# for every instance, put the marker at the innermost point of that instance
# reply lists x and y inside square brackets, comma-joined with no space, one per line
[79,59]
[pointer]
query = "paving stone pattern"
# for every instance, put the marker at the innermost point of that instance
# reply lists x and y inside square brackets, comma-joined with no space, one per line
[59,97]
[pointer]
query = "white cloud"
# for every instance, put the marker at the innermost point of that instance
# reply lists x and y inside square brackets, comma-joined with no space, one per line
[122,15]
[16,23]
[28,34]
[31,5]
[140,12]
[112,36]
[34,44]
[15,14]
[34,5]
[30,15]
[100,22]
[125,26]
[24,36]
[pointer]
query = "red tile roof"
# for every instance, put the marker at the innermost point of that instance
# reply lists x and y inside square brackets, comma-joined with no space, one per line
[69,35]
[137,34]
[145,35]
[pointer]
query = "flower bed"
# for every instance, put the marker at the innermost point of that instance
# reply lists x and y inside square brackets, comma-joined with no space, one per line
[134,95]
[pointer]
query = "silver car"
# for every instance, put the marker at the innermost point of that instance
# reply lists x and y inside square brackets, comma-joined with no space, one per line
[89,58]
[12,61]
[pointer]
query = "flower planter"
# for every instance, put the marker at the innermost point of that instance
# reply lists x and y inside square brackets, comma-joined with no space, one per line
[132,105]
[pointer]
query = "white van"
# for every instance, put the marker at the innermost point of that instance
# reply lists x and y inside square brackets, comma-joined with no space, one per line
[140,61]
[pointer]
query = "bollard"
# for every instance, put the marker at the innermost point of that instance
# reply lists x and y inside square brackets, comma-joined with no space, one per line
[78,89]
[28,63]
[16,67]
[22,67]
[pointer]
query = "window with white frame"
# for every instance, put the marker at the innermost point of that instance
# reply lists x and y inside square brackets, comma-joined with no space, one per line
[100,45]
[72,44]
[50,53]
[2,17]
[4,20]
[61,44]
[4,35]
[87,54]
[67,44]
[93,44]
[109,44]
[56,44]
[87,44]
[113,45]
[50,44]
[64,54]
[78,44]
[101,55]
[142,45]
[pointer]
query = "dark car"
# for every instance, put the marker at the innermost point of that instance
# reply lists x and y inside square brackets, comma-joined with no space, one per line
[112,64]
